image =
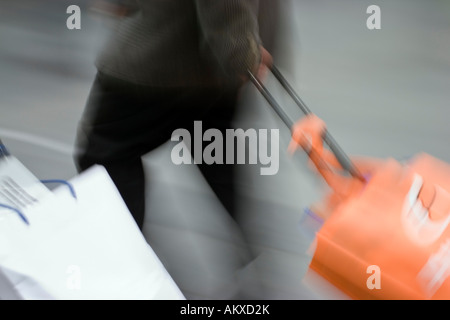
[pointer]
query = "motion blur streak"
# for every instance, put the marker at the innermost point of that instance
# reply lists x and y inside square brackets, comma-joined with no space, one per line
[381,92]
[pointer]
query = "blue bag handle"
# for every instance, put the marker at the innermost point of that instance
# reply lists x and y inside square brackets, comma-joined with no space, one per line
[3,151]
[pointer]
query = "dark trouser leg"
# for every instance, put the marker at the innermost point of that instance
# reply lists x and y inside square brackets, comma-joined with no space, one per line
[112,134]
[221,177]
[129,178]
[122,122]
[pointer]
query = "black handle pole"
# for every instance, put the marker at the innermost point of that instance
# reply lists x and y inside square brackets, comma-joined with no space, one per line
[273,103]
[341,156]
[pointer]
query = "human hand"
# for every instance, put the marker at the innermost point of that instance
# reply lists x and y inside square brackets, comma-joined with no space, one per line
[261,69]
[265,64]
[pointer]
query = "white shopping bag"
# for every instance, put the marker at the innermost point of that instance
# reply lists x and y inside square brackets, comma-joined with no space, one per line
[88,247]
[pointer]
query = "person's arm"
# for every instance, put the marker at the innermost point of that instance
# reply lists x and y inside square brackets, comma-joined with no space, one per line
[230,29]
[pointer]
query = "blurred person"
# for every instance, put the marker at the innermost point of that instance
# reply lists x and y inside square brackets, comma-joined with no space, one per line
[169,63]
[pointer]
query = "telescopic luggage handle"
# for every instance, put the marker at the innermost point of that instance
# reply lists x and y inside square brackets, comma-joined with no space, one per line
[340,155]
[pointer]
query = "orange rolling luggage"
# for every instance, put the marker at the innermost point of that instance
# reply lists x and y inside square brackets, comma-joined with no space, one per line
[385,231]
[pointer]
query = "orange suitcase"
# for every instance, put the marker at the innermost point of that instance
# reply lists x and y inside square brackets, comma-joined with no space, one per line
[385,231]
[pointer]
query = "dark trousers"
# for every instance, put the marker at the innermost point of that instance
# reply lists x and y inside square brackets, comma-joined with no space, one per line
[123,121]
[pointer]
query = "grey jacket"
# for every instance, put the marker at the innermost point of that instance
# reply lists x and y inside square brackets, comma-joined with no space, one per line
[184,43]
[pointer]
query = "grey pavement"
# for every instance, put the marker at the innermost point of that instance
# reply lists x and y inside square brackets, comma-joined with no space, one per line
[383,93]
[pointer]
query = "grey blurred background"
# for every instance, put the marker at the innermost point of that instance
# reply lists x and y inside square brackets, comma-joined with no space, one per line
[383,93]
